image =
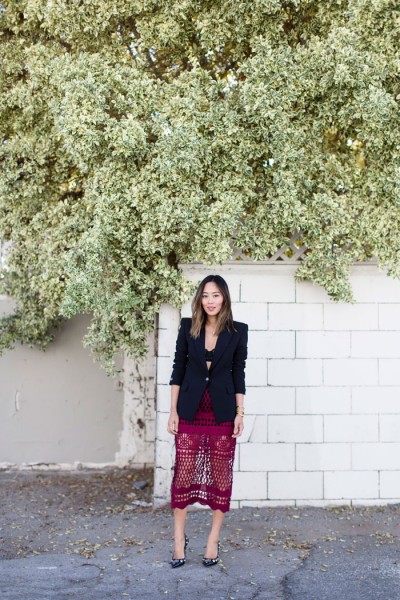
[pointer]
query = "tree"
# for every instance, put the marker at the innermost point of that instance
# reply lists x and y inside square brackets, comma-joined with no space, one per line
[140,134]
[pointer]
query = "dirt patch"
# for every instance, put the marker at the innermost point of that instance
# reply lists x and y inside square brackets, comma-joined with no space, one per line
[48,511]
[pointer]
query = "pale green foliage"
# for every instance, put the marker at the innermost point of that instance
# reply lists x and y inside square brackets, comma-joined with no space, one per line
[137,135]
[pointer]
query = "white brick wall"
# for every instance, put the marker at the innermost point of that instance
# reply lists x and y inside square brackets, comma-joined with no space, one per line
[389,428]
[389,371]
[323,457]
[271,344]
[323,344]
[323,389]
[245,487]
[296,372]
[270,400]
[256,371]
[349,317]
[389,316]
[381,344]
[266,289]
[295,316]
[296,428]
[390,484]
[351,371]
[379,456]
[351,484]
[323,400]
[266,457]
[255,314]
[298,485]
[377,400]
[351,428]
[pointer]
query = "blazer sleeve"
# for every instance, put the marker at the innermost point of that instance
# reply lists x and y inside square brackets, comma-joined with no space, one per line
[181,356]
[239,362]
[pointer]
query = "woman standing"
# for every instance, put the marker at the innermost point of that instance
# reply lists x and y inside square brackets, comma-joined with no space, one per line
[207,397]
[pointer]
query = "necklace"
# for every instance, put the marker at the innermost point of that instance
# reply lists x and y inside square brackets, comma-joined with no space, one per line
[210,326]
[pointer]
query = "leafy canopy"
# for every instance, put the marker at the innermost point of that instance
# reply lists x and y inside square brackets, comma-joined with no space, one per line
[137,134]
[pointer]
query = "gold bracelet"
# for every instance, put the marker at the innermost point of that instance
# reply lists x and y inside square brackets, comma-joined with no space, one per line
[240,410]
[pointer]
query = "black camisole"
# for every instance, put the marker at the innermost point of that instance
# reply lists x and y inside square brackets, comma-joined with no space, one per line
[209,355]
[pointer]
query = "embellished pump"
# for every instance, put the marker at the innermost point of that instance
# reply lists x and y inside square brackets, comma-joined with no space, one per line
[179,562]
[209,562]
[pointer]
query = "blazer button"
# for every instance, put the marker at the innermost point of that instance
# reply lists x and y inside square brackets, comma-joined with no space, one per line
[207,379]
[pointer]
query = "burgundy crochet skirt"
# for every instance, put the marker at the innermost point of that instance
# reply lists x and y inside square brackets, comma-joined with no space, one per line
[205,451]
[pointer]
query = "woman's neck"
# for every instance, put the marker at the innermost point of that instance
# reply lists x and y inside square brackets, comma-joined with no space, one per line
[211,321]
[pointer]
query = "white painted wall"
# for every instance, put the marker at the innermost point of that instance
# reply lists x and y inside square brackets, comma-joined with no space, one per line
[59,409]
[322,422]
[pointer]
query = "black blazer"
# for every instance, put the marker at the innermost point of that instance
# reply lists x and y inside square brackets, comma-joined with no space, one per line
[225,378]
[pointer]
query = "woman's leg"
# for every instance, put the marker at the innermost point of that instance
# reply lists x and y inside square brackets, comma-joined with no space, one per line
[179,531]
[221,461]
[213,538]
[187,446]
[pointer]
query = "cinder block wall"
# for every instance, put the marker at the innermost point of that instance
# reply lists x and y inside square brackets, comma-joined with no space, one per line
[322,422]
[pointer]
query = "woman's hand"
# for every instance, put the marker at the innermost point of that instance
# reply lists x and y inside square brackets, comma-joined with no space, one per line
[237,426]
[173,422]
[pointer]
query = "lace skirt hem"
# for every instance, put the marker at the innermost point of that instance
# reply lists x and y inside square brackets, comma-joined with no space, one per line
[213,505]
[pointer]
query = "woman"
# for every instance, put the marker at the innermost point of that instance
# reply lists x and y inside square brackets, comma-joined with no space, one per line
[206,418]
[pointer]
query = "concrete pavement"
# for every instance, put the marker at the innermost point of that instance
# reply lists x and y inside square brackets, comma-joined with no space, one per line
[91,536]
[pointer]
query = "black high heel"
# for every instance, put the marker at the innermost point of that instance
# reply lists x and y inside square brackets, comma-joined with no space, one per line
[179,562]
[209,562]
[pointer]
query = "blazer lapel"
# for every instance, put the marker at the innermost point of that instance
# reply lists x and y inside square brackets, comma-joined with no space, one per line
[223,340]
[200,344]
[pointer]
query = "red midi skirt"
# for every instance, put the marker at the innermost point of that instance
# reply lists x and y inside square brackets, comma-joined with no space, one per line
[204,455]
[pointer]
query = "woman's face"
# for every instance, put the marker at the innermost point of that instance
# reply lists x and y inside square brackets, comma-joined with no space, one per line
[212,299]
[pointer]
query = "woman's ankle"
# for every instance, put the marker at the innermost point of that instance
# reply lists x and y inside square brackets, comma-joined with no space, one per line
[213,539]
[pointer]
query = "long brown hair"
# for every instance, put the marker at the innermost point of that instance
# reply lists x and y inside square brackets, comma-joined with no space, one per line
[224,317]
